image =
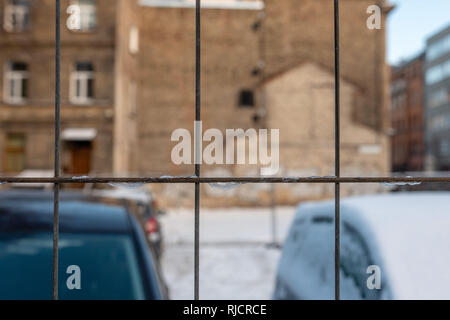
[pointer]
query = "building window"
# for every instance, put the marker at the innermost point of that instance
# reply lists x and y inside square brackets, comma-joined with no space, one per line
[438,48]
[439,123]
[439,98]
[82,15]
[15,89]
[134,40]
[17,15]
[444,147]
[15,153]
[246,99]
[438,73]
[82,83]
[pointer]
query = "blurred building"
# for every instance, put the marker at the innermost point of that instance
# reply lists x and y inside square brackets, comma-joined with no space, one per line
[437,79]
[128,82]
[264,65]
[407,115]
[27,60]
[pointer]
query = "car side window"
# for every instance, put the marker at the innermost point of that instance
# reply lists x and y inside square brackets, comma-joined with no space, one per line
[308,262]
[355,258]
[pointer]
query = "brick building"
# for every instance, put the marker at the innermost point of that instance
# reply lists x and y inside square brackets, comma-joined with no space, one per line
[264,65]
[27,87]
[284,60]
[407,116]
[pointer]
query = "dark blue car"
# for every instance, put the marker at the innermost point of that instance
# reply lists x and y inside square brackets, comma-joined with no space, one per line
[103,244]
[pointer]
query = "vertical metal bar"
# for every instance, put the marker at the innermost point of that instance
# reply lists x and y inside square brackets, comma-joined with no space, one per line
[273,214]
[197,165]
[337,244]
[197,242]
[262,58]
[56,164]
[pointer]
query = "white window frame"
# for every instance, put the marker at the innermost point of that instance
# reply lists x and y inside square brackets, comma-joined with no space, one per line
[20,12]
[87,16]
[17,77]
[83,77]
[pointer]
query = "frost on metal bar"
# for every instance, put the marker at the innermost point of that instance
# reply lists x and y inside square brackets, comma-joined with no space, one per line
[206,4]
[197,179]
[80,177]
[127,185]
[402,183]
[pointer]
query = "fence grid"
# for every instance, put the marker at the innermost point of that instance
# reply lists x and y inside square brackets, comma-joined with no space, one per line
[196,179]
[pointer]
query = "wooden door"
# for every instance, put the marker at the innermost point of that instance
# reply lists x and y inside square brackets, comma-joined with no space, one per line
[80,160]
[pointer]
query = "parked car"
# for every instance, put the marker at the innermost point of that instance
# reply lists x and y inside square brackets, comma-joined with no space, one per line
[153,228]
[105,242]
[405,235]
[143,202]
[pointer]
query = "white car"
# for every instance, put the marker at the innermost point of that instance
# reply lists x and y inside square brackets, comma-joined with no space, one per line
[403,238]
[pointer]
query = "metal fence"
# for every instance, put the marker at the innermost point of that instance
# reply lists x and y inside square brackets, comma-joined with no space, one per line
[197,180]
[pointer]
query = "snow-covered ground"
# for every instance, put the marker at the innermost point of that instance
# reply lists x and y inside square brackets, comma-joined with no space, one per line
[235,260]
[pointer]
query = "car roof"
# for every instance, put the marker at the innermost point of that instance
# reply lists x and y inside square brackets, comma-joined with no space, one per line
[409,232]
[41,194]
[377,209]
[33,211]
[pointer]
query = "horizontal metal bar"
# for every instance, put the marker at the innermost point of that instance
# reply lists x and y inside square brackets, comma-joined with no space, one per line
[194,179]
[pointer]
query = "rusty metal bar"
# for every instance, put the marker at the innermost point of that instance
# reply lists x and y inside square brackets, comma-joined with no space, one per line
[337,159]
[243,180]
[197,146]
[57,143]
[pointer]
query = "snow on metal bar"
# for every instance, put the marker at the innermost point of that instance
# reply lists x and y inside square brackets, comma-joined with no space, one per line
[206,4]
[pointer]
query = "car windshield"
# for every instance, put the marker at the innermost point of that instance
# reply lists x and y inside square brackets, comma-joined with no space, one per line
[107,263]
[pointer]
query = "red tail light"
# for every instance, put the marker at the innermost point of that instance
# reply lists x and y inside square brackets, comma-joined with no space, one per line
[151,226]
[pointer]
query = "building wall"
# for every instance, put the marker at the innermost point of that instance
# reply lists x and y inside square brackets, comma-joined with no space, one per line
[126,147]
[232,48]
[166,78]
[407,94]
[36,48]
[298,31]
[301,105]
[150,93]
[438,104]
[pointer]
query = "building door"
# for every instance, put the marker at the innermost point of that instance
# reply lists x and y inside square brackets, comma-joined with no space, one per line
[79,159]
[14,156]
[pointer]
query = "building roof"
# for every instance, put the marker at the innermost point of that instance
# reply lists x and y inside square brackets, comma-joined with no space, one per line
[408,62]
[298,65]
[438,35]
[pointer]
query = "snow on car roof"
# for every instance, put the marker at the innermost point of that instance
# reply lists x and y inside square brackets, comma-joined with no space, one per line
[411,233]
[208,4]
